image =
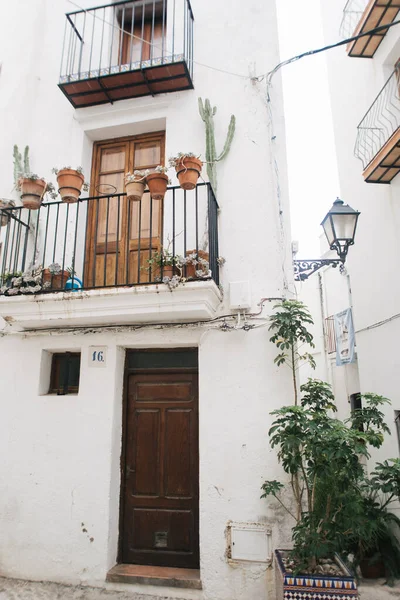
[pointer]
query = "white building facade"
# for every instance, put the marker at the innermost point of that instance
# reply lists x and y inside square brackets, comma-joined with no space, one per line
[364,94]
[135,412]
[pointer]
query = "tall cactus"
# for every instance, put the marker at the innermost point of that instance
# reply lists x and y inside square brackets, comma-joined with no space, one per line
[20,169]
[207,114]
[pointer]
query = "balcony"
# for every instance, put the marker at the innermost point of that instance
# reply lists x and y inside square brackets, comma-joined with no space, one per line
[126,50]
[360,16]
[107,259]
[378,137]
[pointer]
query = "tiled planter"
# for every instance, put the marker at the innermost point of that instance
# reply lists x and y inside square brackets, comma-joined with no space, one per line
[312,587]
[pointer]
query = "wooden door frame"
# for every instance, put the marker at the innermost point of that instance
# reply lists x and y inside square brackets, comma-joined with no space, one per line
[127,372]
[90,221]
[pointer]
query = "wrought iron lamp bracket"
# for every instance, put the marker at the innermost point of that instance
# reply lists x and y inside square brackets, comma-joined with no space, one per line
[304,268]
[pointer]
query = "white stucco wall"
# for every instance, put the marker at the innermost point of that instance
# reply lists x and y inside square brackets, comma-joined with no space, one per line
[372,262]
[61,455]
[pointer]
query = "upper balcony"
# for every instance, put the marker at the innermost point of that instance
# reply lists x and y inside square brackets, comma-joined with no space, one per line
[360,16]
[126,50]
[111,260]
[378,137]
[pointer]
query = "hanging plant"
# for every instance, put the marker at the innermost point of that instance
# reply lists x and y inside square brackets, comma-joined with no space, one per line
[5,216]
[157,182]
[135,184]
[70,183]
[188,169]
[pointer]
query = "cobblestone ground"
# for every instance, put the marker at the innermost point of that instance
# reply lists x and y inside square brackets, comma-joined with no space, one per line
[15,589]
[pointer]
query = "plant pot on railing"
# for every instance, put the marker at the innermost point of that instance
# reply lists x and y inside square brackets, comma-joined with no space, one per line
[157,183]
[55,281]
[135,185]
[188,169]
[32,192]
[5,216]
[70,183]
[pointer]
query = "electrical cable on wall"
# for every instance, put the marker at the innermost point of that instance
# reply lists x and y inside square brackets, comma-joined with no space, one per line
[258,78]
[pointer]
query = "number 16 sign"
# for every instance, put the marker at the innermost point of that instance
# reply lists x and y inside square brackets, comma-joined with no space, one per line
[97,356]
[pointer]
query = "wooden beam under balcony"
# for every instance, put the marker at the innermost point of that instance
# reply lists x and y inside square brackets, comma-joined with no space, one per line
[386,163]
[149,81]
[376,13]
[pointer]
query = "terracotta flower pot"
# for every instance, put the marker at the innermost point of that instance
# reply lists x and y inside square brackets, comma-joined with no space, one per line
[372,570]
[32,192]
[57,282]
[4,217]
[188,170]
[191,269]
[135,190]
[70,184]
[157,184]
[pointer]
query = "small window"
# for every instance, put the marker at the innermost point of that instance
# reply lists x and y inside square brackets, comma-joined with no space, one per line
[356,405]
[65,373]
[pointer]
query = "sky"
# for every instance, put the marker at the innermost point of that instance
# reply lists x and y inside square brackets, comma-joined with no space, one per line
[313,178]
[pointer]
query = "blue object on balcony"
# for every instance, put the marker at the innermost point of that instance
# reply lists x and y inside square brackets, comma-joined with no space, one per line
[73,284]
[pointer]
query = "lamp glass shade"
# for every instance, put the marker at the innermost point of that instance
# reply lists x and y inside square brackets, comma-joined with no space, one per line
[344,226]
[340,225]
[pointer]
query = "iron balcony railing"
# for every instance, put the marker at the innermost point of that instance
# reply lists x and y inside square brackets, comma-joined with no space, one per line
[352,13]
[108,241]
[119,38]
[380,122]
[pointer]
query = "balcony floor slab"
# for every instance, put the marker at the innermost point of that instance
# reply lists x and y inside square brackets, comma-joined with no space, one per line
[192,301]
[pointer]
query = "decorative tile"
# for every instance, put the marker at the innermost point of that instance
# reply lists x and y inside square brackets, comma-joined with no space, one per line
[304,587]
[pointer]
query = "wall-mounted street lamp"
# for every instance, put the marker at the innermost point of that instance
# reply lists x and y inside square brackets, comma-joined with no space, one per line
[339,225]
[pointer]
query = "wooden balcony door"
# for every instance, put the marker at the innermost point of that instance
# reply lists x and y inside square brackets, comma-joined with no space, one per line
[120,233]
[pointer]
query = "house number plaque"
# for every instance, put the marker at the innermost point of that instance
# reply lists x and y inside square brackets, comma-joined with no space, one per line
[97,356]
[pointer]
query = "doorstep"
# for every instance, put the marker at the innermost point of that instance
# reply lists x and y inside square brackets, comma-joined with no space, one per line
[147,575]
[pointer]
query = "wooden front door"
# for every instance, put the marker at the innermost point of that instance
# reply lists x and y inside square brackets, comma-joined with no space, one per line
[160,494]
[120,233]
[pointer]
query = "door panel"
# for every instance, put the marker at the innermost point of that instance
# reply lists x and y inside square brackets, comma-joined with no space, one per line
[121,233]
[161,484]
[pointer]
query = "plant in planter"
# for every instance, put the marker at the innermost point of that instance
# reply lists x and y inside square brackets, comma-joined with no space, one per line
[321,458]
[29,282]
[188,169]
[157,182]
[54,277]
[32,188]
[5,216]
[197,264]
[166,267]
[376,543]
[135,184]
[70,183]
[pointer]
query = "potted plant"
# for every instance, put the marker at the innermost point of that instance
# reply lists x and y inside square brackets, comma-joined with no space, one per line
[54,277]
[5,216]
[70,183]
[157,182]
[320,456]
[188,168]
[32,189]
[376,545]
[197,264]
[16,283]
[135,184]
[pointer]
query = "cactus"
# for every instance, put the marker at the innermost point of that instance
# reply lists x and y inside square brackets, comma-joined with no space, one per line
[20,170]
[207,114]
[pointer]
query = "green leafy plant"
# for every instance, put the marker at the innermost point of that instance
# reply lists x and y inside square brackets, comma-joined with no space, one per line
[320,454]
[289,324]
[335,507]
